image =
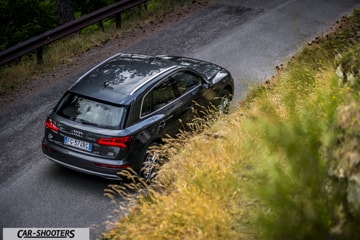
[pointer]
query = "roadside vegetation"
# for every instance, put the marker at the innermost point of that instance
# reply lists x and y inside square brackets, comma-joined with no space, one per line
[16,75]
[283,165]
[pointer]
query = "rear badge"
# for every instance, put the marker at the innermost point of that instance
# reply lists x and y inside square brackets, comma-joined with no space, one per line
[76,133]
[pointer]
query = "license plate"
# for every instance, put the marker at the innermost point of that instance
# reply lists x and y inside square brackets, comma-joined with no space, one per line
[77,143]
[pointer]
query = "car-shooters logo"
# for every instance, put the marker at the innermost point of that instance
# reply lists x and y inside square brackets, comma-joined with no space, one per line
[46,233]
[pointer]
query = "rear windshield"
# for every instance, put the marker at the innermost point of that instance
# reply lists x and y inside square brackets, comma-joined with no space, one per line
[91,112]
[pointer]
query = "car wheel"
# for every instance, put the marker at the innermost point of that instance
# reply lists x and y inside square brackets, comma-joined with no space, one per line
[223,102]
[150,163]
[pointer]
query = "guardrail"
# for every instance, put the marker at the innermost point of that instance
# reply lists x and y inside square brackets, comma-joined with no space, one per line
[37,42]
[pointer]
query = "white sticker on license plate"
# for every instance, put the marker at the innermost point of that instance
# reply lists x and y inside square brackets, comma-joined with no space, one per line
[77,143]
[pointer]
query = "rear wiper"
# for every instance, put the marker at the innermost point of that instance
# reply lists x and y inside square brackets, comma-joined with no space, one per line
[86,122]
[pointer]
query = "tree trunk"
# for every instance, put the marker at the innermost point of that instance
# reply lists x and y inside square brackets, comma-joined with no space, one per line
[65,11]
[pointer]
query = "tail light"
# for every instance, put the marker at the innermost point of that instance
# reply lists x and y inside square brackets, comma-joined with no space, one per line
[50,124]
[122,142]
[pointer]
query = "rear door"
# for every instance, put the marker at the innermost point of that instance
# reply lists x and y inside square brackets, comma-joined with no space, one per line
[175,99]
[163,100]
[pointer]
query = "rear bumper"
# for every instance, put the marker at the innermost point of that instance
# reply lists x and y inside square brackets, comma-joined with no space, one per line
[83,163]
[90,172]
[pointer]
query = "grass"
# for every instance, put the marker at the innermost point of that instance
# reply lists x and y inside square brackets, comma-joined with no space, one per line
[14,76]
[284,165]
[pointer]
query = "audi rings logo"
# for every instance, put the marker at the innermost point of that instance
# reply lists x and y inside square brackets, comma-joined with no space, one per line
[76,133]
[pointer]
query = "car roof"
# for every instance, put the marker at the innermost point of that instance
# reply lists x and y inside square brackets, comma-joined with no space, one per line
[119,76]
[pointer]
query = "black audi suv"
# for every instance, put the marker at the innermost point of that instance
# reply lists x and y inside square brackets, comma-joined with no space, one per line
[110,117]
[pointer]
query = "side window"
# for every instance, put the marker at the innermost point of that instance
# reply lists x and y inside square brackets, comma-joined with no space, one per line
[186,81]
[163,94]
[158,97]
[146,106]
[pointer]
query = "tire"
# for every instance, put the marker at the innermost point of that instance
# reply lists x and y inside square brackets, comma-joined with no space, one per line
[223,102]
[150,164]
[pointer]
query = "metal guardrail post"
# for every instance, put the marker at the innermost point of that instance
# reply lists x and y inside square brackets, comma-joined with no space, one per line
[118,20]
[64,30]
[40,55]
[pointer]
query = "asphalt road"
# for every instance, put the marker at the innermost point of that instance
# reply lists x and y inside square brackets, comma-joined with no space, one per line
[249,37]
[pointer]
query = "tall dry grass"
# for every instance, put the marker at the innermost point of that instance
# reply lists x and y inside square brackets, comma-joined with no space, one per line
[264,171]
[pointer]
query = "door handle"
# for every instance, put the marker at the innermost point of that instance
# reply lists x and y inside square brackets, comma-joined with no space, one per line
[162,124]
[187,108]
